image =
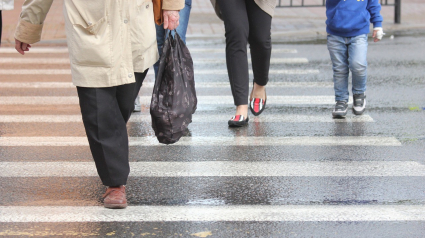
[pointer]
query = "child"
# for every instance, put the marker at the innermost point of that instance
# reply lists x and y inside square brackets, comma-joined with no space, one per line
[348,23]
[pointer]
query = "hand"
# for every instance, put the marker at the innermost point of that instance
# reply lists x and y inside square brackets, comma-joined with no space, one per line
[21,47]
[171,19]
[378,33]
[375,33]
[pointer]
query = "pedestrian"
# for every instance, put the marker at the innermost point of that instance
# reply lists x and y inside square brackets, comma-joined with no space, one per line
[4,5]
[112,44]
[247,21]
[348,24]
[162,34]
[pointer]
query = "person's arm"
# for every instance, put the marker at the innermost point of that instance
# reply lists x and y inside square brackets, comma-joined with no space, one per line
[374,8]
[171,10]
[30,23]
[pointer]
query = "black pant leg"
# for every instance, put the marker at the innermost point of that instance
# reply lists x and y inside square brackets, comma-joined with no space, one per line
[104,120]
[1,25]
[126,103]
[259,41]
[140,77]
[237,31]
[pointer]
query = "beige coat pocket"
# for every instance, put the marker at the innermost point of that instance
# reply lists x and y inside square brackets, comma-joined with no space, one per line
[91,36]
[144,26]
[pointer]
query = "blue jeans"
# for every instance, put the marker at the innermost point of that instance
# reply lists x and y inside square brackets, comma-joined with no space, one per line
[162,34]
[348,53]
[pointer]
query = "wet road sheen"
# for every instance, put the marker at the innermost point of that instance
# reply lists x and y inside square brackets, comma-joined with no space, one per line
[293,172]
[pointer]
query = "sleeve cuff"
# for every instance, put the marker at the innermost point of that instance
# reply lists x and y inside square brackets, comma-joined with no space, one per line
[377,24]
[27,32]
[173,5]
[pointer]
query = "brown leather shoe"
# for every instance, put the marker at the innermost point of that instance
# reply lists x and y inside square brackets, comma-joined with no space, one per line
[115,198]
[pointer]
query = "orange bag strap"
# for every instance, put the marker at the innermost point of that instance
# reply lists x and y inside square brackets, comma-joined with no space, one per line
[157,12]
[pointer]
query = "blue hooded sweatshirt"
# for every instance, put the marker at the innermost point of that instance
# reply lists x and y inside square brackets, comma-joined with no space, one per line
[349,18]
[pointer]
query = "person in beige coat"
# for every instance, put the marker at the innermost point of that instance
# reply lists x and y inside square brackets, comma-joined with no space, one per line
[111,45]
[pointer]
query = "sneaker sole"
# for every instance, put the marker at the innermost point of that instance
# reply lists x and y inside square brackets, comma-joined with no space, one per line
[339,114]
[358,113]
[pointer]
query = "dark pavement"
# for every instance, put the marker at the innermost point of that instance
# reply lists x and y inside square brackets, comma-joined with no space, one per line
[314,177]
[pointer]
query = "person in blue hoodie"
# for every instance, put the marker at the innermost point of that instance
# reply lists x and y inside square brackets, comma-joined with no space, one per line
[348,24]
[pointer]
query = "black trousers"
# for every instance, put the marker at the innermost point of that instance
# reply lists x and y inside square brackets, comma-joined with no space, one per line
[105,114]
[245,22]
[1,25]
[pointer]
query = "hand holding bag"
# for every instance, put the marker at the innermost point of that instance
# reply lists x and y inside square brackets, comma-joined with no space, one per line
[174,96]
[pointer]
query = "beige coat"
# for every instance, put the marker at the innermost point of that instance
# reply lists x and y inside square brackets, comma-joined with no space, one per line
[108,40]
[266,5]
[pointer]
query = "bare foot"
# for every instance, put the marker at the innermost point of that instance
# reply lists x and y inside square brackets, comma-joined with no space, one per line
[242,110]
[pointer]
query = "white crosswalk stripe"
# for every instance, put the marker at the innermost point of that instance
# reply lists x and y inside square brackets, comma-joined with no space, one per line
[61,50]
[25,85]
[214,141]
[288,71]
[201,61]
[272,61]
[35,72]
[227,213]
[151,84]
[215,50]
[21,60]
[150,72]
[196,118]
[37,50]
[206,100]
[222,169]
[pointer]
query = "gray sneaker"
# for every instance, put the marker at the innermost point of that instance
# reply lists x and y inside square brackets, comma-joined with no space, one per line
[137,105]
[340,110]
[359,103]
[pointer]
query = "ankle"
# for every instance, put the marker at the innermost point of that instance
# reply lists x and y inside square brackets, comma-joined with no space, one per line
[119,186]
[258,87]
[242,110]
[258,91]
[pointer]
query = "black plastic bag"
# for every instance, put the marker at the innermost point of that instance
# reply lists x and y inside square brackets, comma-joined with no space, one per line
[174,96]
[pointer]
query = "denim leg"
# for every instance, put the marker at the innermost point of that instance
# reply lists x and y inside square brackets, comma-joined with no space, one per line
[162,34]
[338,51]
[357,58]
[184,20]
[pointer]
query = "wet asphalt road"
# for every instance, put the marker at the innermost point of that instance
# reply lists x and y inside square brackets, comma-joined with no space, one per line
[321,202]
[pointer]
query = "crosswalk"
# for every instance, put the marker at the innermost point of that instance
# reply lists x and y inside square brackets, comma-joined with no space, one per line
[230,143]
[54,61]
[213,141]
[150,85]
[64,50]
[215,214]
[197,72]
[196,118]
[222,169]
[202,100]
